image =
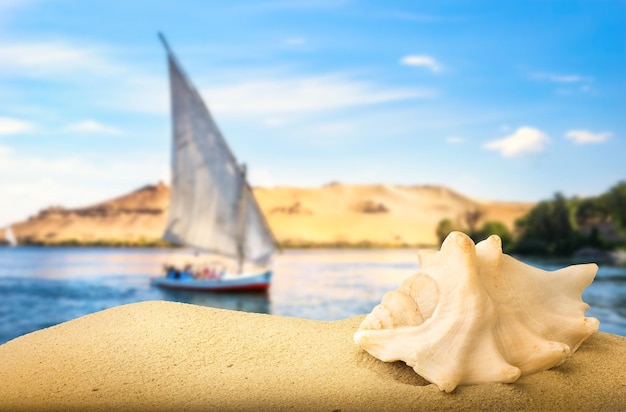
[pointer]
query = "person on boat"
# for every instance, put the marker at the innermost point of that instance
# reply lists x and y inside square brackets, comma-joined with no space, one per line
[206,273]
[211,273]
[203,273]
[171,272]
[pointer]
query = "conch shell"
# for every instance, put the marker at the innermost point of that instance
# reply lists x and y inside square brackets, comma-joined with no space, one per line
[473,314]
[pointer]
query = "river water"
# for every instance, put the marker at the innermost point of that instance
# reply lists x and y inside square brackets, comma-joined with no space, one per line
[41,287]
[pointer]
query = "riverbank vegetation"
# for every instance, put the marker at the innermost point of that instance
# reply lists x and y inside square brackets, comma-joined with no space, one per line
[557,227]
[140,242]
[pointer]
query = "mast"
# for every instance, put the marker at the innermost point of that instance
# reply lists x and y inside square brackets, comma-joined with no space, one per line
[241,238]
[165,44]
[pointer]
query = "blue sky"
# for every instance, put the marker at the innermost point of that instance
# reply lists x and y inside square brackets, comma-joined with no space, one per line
[505,100]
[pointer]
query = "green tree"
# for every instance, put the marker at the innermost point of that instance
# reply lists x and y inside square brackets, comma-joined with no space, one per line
[547,229]
[492,227]
[560,226]
[591,210]
[472,217]
[616,203]
[444,228]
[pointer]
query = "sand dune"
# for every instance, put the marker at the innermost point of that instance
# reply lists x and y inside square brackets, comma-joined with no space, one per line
[171,356]
[378,214]
[334,214]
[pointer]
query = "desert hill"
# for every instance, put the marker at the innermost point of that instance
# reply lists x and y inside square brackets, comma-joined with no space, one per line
[135,218]
[371,214]
[332,215]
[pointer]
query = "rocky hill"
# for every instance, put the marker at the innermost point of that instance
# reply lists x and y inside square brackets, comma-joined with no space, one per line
[332,215]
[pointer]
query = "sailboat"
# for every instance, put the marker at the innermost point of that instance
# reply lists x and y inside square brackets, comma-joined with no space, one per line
[212,208]
[10,236]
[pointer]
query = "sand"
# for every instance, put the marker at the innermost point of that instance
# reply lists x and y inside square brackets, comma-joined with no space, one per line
[172,356]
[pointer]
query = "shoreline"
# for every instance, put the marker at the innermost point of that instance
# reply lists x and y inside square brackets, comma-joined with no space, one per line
[160,355]
[150,243]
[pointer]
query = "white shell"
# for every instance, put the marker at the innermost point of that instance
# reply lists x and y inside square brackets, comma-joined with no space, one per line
[473,314]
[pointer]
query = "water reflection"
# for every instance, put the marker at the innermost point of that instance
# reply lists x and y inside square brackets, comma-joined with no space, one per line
[336,284]
[256,302]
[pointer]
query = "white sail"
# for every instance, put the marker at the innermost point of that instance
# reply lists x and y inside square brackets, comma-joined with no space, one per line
[10,236]
[207,210]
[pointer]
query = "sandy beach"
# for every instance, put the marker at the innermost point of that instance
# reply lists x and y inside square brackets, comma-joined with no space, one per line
[171,356]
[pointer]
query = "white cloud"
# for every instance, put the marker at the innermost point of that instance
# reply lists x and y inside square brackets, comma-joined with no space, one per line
[303,94]
[422,61]
[274,121]
[455,140]
[562,78]
[70,68]
[523,141]
[13,126]
[290,4]
[273,95]
[585,136]
[40,58]
[91,126]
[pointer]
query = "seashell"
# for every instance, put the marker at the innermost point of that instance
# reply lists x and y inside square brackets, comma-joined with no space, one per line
[473,315]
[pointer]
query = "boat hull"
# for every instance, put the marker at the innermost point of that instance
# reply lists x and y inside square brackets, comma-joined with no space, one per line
[244,282]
